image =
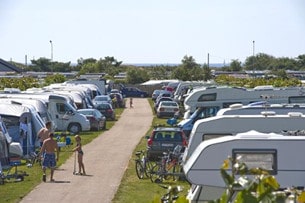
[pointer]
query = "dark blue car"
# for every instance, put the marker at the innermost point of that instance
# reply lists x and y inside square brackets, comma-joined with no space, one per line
[133,92]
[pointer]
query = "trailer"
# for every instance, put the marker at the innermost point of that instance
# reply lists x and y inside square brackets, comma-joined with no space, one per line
[228,125]
[282,156]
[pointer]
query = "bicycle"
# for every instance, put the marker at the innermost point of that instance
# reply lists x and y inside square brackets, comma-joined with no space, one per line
[143,165]
[169,166]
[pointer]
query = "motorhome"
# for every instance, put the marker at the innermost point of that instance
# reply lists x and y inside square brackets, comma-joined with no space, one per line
[225,125]
[207,101]
[85,79]
[271,152]
[62,110]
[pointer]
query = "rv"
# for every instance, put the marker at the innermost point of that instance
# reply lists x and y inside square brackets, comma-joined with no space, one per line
[225,125]
[207,101]
[272,152]
[62,110]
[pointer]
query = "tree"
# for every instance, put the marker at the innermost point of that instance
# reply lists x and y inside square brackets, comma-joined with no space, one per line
[207,74]
[188,70]
[136,76]
[235,65]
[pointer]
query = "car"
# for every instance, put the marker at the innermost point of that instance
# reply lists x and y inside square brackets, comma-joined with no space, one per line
[164,139]
[167,108]
[101,99]
[119,100]
[155,94]
[96,118]
[133,92]
[106,109]
[160,100]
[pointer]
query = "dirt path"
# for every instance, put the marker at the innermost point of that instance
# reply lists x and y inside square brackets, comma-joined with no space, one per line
[106,159]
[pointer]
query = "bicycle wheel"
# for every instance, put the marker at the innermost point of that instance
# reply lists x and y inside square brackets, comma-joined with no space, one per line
[139,170]
[156,175]
[148,167]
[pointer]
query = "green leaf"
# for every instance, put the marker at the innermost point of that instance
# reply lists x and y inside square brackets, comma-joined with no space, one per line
[229,180]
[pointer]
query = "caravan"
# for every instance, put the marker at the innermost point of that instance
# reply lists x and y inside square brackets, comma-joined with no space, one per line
[225,125]
[206,102]
[272,152]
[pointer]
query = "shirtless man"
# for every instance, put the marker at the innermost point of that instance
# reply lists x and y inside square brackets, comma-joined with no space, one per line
[43,133]
[48,149]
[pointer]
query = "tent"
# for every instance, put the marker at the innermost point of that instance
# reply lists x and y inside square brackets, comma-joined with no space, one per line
[22,119]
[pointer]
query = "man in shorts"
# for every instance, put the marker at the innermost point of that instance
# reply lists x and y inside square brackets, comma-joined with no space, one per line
[43,133]
[48,149]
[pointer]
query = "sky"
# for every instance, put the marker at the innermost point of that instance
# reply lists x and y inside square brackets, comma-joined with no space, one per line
[155,31]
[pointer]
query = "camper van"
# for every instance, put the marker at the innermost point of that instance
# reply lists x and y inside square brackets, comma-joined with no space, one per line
[272,152]
[62,110]
[225,125]
[207,101]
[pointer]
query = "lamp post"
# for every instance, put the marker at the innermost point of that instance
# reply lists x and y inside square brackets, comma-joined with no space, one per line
[254,57]
[51,50]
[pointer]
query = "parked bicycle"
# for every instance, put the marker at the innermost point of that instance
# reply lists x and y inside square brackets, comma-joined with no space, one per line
[143,165]
[168,167]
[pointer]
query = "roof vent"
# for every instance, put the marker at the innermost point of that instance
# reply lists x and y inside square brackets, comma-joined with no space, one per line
[295,114]
[236,106]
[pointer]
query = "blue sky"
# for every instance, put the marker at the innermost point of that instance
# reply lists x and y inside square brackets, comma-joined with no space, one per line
[158,31]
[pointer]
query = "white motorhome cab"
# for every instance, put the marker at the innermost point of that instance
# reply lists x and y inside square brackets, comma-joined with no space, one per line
[207,101]
[224,125]
[62,110]
[66,116]
[272,152]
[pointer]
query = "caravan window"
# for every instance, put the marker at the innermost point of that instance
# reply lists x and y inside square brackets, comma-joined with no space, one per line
[257,158]
[228,104]
[62,108]
[212,136]
[296,99]
[207,97]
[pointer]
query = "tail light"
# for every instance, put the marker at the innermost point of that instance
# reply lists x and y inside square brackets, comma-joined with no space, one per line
[149,142]
[109,110]
[176,109]
[161,109]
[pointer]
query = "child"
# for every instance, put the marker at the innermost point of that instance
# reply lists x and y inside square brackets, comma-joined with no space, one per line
[80,153]
[130,102]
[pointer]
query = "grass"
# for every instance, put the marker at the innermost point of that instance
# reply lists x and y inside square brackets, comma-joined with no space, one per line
[133,190]
[13,192]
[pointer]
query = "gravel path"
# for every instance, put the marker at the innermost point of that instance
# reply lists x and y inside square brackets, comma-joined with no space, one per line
[105,159]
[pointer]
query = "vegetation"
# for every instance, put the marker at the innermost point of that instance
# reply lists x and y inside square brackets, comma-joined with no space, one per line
[187,70]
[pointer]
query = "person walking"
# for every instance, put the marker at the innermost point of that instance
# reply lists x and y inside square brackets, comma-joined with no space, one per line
[43,133]
[80,155]
[48,149]
[130,102]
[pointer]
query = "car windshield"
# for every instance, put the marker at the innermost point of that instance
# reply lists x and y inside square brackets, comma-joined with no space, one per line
[101,99]
[167,136]
[169,104]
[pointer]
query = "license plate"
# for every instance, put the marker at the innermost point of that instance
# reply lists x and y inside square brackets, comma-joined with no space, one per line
[167,145]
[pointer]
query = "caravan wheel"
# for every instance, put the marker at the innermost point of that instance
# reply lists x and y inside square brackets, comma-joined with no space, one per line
[74,128]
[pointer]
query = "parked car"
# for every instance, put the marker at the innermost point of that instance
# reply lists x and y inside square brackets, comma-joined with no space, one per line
[164,139]
[119,100]
[133,92]
[155,94]
[102,98]
[107,110]
[96,118]
[156,105]
[167,108]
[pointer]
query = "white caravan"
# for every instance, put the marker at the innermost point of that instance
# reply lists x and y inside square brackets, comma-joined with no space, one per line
[272,152]
[13,115]
[278,109]
[62,110]
[223,97]
[224,125]
[207,101]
